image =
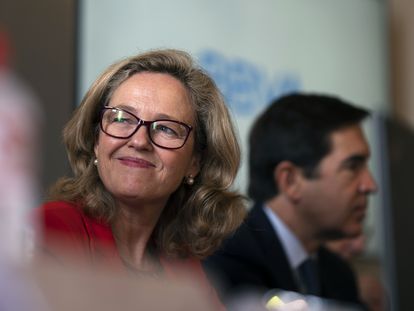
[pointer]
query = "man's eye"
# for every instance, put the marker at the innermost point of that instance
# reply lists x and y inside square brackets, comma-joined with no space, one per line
[355,165]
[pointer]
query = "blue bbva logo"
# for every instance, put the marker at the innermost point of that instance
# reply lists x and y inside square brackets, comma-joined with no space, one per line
[246,87]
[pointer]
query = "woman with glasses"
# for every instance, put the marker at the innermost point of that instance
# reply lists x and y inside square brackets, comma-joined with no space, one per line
[154,154]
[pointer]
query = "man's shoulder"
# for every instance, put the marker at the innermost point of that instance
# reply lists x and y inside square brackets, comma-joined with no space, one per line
[253,223]
[251,239]
[256,219]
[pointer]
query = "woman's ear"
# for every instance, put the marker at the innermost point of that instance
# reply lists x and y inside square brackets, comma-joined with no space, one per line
[95,149]
[194,167]
[288,178]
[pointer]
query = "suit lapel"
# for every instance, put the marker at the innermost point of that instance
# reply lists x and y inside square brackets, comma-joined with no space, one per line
[273,253]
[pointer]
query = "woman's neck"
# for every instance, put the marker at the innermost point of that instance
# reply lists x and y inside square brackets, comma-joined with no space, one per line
[132,230]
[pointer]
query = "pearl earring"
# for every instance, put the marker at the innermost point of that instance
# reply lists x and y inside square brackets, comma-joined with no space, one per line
[190,180]
[95,162]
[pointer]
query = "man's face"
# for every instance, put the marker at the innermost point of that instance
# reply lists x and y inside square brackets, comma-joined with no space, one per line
[334,203]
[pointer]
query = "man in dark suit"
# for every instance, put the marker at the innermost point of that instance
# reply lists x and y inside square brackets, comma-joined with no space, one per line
[310,183]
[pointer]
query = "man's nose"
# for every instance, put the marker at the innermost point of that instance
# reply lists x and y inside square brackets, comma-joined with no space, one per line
[368,184]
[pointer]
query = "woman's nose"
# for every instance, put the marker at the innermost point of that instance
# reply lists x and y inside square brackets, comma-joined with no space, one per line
[141,138]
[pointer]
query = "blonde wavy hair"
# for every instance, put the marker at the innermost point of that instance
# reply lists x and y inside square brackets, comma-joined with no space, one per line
[197,218]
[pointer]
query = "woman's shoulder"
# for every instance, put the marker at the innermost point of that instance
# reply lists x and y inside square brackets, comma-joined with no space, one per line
[59,214]
[61,231]
[53,207]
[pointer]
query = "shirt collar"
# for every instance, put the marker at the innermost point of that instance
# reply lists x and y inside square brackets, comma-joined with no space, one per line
[294,249]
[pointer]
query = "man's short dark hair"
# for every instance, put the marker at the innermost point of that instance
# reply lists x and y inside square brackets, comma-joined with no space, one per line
[295,128]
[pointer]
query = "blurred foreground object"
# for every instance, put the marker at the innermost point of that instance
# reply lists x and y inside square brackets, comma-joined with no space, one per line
[47,286]
[279,300]
[64,288]
[18,161]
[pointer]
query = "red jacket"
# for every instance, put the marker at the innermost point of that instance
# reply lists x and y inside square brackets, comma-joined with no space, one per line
[66,230]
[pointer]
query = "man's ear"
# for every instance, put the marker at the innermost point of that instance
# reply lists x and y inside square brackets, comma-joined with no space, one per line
[288,178]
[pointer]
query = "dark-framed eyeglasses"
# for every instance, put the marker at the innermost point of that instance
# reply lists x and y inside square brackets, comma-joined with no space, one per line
[164,133]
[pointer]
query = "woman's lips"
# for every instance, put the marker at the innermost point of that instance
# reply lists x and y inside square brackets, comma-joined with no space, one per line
[135,162]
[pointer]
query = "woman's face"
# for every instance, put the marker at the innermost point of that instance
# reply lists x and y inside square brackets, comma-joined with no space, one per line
[134,170]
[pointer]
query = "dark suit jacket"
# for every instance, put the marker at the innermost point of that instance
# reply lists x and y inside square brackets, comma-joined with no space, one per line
[254,259]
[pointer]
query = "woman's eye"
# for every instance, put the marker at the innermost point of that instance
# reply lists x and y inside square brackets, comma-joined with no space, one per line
[165,130]
[119,120]
[122,118]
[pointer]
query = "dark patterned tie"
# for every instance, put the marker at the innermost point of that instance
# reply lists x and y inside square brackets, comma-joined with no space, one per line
[308,273]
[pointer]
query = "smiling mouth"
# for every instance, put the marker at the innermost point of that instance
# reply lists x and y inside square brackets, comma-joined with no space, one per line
[135,162]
